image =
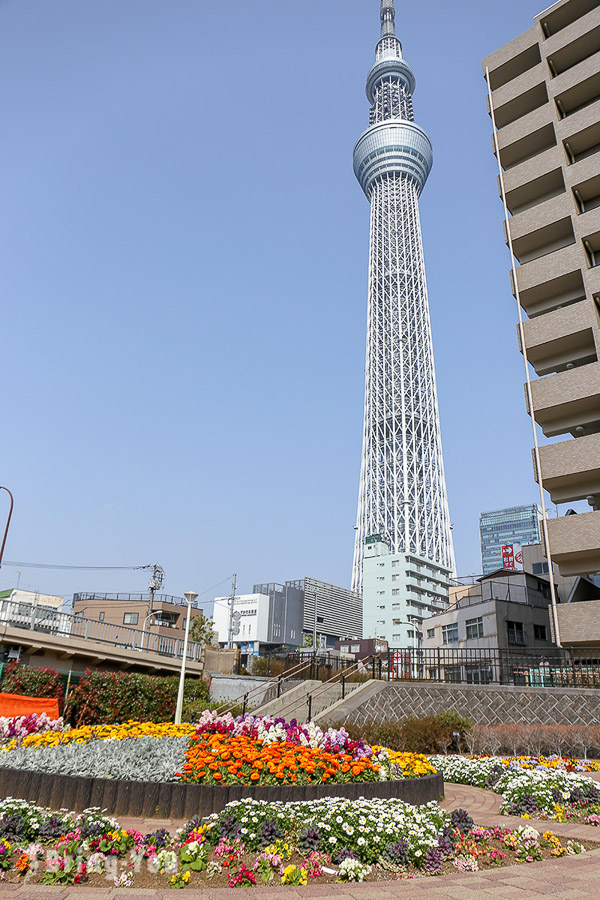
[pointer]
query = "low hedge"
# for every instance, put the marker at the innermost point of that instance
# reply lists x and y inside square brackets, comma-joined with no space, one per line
[430,734]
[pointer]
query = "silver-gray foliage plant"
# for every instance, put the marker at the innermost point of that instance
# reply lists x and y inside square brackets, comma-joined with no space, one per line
[132,759]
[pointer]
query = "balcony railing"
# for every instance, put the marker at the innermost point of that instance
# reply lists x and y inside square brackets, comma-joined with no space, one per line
[31,617]
[159,599]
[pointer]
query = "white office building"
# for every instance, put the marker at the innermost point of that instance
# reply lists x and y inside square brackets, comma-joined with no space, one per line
[399,591]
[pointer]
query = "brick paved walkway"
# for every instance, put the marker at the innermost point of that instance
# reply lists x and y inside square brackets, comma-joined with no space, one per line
[564,879]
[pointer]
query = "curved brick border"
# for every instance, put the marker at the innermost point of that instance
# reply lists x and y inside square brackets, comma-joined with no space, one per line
[178,801]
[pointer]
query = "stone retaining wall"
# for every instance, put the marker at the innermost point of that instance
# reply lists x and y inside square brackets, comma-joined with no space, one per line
[178,801]
[483,704]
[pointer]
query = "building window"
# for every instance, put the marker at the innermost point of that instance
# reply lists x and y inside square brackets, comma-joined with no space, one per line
[450,633]
[474,628]
[292,634]
[381,607]
[430,632]
[395,577]
[478,674]
[380,592]
[381,565]
[381,621]
[516,633]
[381,578]
[130,618]
[395,563]
[397,637]
[395,592]
[355,648]
[396,622]
[539,633]
[345,649]
[101,616]
[452,673]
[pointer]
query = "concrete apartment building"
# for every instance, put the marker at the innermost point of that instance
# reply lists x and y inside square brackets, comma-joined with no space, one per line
[545,88]
[400,590]
[506,610]
[163,614]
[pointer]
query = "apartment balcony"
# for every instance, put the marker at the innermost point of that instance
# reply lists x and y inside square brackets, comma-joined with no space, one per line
[558,19]
[548,212]
[579,128]
[516,90]
[512,60]
[571,469]
[560,23]
[575,543]
[539,231]
[578,94]
[561,339]
[572,45]
[537,180]
[568,401]
[552,280]
[527,137]
[579,623]
[581,146]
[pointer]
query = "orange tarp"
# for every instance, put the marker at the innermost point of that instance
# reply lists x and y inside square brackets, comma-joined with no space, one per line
[19,705]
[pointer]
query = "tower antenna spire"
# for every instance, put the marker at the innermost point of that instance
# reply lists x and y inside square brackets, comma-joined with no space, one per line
[388,17]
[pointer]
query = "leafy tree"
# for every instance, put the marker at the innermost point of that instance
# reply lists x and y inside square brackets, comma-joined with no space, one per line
[202,630]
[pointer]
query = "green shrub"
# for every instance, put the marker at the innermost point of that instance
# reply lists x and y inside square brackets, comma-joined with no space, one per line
[31,681]
[108,697]
[430,734]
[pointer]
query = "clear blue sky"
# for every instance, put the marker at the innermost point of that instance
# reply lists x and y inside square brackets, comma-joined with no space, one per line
[184,273]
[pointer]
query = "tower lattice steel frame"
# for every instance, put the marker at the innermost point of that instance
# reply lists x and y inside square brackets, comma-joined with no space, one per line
[402,485]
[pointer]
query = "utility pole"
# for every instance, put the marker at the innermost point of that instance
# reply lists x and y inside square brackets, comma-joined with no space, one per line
[233,626]
[156,582]
[10,512]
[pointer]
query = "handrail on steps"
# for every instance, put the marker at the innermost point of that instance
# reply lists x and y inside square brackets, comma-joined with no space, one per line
[350,670]
[278,679]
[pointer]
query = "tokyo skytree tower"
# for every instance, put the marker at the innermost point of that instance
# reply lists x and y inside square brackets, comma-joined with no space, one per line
[402,486]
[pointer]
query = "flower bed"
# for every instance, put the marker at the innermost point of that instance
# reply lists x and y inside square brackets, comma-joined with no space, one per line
[554,788]
[254,844]
[220,750]
[14,729]
[201,768]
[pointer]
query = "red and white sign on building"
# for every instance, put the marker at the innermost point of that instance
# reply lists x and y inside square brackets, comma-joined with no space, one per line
[512,556]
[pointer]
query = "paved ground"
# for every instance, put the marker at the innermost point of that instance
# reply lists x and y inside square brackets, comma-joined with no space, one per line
[564,879]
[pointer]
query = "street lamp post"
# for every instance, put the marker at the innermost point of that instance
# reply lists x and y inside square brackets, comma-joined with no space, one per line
[10,511]
[157,612]
[190,596]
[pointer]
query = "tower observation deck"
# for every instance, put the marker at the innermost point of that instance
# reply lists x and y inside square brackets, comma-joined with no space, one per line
[402,492]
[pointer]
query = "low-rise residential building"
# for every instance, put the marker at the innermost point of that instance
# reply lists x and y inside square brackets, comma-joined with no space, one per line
[155,614]
[400,590]
[502,611]
[35,598]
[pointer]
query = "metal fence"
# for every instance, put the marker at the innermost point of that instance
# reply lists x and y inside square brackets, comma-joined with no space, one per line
[513,667]
[553,668]
[32,617]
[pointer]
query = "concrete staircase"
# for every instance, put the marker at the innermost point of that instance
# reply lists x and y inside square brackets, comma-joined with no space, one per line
[294,704]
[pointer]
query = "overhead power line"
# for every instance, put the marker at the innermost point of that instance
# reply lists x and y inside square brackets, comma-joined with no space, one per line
[27,565]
